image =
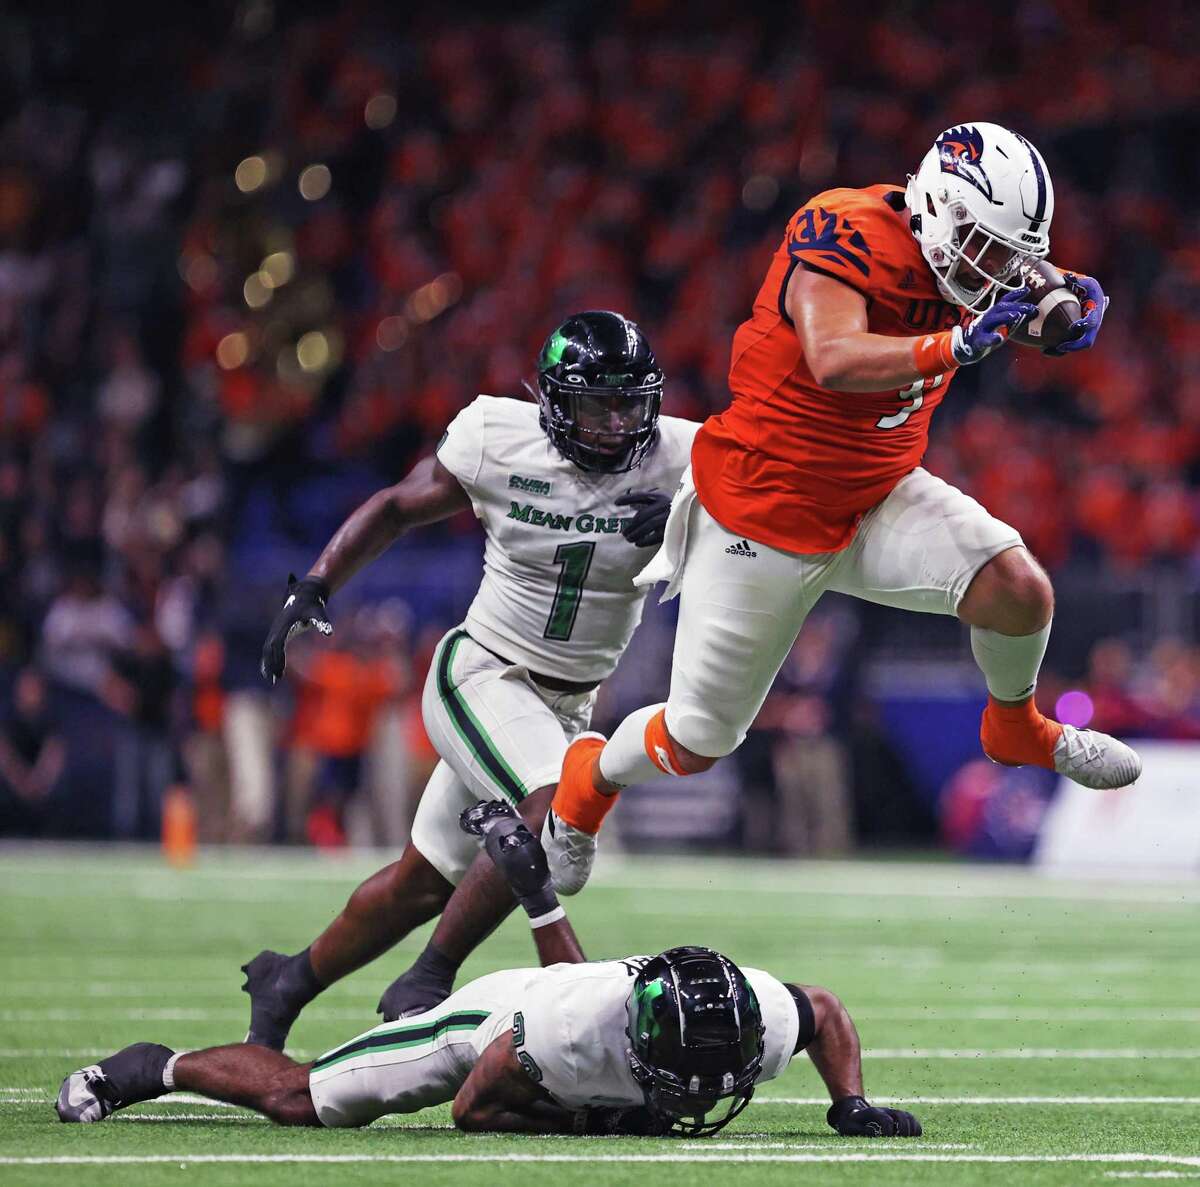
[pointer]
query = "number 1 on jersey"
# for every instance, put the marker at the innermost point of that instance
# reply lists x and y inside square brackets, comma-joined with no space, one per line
[573,561]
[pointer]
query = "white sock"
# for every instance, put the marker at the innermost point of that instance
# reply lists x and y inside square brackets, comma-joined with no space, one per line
[624,759]
[1009,663]
[169,1072]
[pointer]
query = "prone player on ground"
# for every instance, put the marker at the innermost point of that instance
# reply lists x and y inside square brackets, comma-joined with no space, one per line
[643,1046]
[513,684]
[811,479]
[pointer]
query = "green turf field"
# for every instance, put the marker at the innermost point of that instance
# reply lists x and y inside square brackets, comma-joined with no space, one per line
[1045,1032]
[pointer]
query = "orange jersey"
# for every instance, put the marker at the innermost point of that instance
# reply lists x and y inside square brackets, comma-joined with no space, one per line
[790,463]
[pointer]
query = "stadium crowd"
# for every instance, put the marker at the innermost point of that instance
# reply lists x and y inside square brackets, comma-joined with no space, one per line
[254,265]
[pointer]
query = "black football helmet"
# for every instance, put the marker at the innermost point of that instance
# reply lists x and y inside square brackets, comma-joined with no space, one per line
[600,390]
[696,1038]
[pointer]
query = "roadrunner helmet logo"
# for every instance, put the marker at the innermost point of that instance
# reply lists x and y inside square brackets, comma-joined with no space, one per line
[960,151]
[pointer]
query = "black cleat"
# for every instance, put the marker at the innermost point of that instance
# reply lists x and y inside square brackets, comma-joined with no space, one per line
[272,1009]
[412,993]
[126,1078]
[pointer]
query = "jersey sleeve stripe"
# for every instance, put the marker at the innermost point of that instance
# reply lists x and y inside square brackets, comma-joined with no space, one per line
[783,288]
[469,729]
[400,1037]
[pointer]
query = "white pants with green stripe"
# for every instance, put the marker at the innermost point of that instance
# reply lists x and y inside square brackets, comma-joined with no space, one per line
[404,1066]
[500,736]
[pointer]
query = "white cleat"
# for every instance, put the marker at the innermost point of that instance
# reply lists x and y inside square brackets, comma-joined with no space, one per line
[1095,760]
[570,851]
[84,1097]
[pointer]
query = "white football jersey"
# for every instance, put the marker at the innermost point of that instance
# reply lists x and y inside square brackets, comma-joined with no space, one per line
[557,594]
[569,1029]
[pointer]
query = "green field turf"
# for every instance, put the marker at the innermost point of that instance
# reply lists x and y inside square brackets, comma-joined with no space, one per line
[1027,1022]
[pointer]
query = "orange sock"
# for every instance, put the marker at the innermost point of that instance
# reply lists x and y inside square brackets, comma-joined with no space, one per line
[660,749]
[1016,735]
[576,800]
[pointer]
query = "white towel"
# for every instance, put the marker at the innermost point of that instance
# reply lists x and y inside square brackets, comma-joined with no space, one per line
[667,563]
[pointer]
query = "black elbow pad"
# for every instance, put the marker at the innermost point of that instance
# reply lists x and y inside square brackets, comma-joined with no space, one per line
[804,1012]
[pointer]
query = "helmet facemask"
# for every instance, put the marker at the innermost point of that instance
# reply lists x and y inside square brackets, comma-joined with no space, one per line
[687,1106]
[603,427]
[976,264]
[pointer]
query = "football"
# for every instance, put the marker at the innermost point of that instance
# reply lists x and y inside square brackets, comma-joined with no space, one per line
[1058,308]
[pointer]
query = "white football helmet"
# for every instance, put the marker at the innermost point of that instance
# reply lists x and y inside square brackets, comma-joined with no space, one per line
[981,204]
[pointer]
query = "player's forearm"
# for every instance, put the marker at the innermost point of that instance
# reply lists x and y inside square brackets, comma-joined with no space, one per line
[367,533]
[835,1049]
[537,1117]
[498,1096]
[557,943]
[862,362]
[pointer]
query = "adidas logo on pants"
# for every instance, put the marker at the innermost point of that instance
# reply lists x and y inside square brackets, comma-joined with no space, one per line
[741,548]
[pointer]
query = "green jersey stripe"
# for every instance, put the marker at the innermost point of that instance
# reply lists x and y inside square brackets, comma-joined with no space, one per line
[468,727]
[399,1037]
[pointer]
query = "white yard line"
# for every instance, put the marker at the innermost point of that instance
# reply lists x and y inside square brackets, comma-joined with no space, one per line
[883,1053]
[932,880]
[1152,1175]
[232,1118]
[156,987]
[843,1156]
[914,1144]
[990,1100]
[1033,1053]
[1064,1015]
[361,1018]
[20,1095]
[100,1052]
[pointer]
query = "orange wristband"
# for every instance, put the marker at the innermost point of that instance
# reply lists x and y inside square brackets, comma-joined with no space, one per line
[932,354]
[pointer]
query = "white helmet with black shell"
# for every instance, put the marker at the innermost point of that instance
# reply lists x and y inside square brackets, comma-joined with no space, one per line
[981,204]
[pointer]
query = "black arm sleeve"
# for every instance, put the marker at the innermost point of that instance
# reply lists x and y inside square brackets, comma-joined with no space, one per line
[804,1012]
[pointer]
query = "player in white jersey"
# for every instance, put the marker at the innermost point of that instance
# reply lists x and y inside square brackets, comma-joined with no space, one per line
[509,688]
[675,1043]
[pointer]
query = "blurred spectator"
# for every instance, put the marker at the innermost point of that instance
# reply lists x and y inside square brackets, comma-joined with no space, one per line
[995,812]
[32,759]
[342,690]
[247,719]
[395,766]
[84,629]
[128,395]
[141,690]
[204,747]
[804,804]
[1109,681]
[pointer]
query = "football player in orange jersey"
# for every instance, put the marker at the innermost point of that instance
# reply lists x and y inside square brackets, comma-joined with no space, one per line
[811,479]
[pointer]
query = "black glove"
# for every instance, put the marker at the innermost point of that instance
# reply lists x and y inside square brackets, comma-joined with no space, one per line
[516,853]
[853,1117]
[646,528]
[637,1122]
[304,607]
